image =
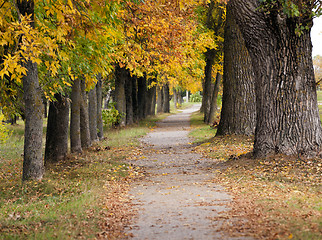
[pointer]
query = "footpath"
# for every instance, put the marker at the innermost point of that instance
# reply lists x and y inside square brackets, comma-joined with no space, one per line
[176,199]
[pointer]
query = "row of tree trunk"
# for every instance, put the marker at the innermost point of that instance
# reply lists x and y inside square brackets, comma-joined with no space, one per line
[86,125]
[269,87]
[136,97]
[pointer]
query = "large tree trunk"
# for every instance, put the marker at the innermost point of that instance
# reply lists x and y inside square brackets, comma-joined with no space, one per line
[57,130]
[153,100]
[286,103]
[84,118]
[215,91]
[92,113]
[135,99]
[142,97]
[238,113]
[207,93]
[159,100]
[166,98]
[129,99]
[75,136]
[120,77]
[99,94]
[33,164]
[175,98]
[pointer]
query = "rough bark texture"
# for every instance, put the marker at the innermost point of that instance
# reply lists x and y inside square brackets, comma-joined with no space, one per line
[159,100]
[57,130]
[135,99]
[154,98]
[238,113]
[175,98]
[142,97]
[207,90]
[84,121]
[286,103]
[33,164]
[99,94]
[92,113]
[215,91]
[129,99]
[166,98]
[75,136]
[120,77]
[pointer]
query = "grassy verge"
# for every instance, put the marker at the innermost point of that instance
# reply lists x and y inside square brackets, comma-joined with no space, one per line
[80,197]
[274,198]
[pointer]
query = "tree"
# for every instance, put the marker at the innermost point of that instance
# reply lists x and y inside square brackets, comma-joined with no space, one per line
[75,131]
[277,36]
[57,130]
[33,165]
[238,113]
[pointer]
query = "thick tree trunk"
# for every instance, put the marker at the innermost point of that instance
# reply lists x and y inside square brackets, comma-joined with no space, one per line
[142,97]
[92,113]
[166,98]
[84,118]
[120,77]
[154,98]
[33,164]
[215,91]
[135,99]
[286,102]
[159,100]
[75,136]
[99,94]
[175,98]
[207,90]
[129,99]
[238,113]
[57,130]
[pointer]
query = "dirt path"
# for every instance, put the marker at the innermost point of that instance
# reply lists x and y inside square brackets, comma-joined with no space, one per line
[176,199]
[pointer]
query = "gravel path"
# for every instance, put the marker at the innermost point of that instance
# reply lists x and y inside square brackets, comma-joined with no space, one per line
[176,199]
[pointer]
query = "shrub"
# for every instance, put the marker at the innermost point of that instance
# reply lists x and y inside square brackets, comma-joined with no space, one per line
[196,97]
[111,117]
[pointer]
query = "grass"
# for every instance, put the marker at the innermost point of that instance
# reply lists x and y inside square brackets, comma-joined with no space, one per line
[279,196]
[76,196]
[319,95]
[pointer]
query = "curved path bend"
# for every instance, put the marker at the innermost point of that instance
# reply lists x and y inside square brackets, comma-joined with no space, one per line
[176,199]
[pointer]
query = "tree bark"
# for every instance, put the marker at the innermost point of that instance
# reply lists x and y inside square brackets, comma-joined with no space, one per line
[238,113]
[166,99]
[215,91]
[92,113]
[129,99]
[142,97]
[100,132]
[57,130]
[175,98]
[286,103]
[75,133]
[135,99]
[120,77]
[84,117]
[159,100]
[207,93]
[153,103]
[33,164]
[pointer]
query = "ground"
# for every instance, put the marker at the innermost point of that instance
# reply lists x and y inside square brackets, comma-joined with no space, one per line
[176,198]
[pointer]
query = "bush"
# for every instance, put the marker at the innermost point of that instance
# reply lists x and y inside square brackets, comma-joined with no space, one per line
[196,97]
[111,117]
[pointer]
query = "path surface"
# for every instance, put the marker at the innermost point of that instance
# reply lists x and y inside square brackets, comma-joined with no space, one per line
[176,199]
